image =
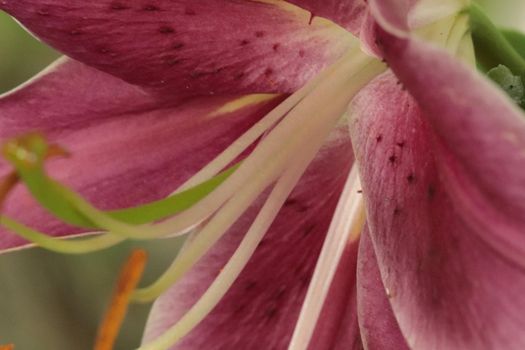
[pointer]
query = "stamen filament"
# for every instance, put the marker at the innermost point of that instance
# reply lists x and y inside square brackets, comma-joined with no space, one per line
[239,259]
[346,226]
[128,280]
[60,245]
[250,136]
[310,123]
[289,137]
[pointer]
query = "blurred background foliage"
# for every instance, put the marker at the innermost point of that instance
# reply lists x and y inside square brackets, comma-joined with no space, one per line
[54,302]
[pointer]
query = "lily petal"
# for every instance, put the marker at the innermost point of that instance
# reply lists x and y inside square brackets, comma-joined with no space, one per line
[449,288]
[379,328]
[483,135]
[262,307]
[189,48]
[348,14]
[128,147]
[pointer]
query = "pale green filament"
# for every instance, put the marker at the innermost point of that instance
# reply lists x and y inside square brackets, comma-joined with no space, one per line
[59,245]
[302,122]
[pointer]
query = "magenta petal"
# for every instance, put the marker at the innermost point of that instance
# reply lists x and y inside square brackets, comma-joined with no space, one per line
[348,14]
[127,146]
[379,328]
[483,135]
[262,307]
[189,47]
[449,288]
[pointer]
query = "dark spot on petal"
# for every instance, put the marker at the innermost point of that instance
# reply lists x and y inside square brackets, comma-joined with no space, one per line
[271,311]
[189,12]
[171,60]
[397,211]
[379,138]
[259,34]
[250,285]
[392,159]
[244,42]
[239,76]
[177,46]
[308,229]
[197,74]
[431,191]
[401,144]
[301,53]
[359,191]
[411,178]
[268,72]
[295,204]
[276,47]
[151,8]
[166,30]
[118,6]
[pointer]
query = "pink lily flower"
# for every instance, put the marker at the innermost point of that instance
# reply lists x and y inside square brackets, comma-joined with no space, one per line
[417,245]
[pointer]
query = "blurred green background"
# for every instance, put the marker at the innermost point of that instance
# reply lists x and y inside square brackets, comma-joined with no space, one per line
[54,302]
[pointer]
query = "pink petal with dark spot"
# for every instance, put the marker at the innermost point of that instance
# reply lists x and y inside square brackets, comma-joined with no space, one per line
[262,307]
[482,133]
[433,226]
[188,48]
[128,147]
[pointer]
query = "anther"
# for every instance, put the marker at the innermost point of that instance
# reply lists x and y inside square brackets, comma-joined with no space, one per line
[126,284]
[7,347]
[6,185]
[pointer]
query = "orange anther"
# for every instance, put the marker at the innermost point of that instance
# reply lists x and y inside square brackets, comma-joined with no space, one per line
[7,347]
[6,185]
[127,282]
[55,150]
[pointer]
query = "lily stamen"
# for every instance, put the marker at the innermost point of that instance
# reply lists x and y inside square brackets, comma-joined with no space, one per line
[127,282]
[6,185]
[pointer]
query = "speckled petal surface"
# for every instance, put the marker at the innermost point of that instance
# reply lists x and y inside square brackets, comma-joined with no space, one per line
[261,308]
[442,189]
[128,147]
[347,13]
[186,47]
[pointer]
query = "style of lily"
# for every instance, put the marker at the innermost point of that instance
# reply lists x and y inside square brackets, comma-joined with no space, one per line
[241,109]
